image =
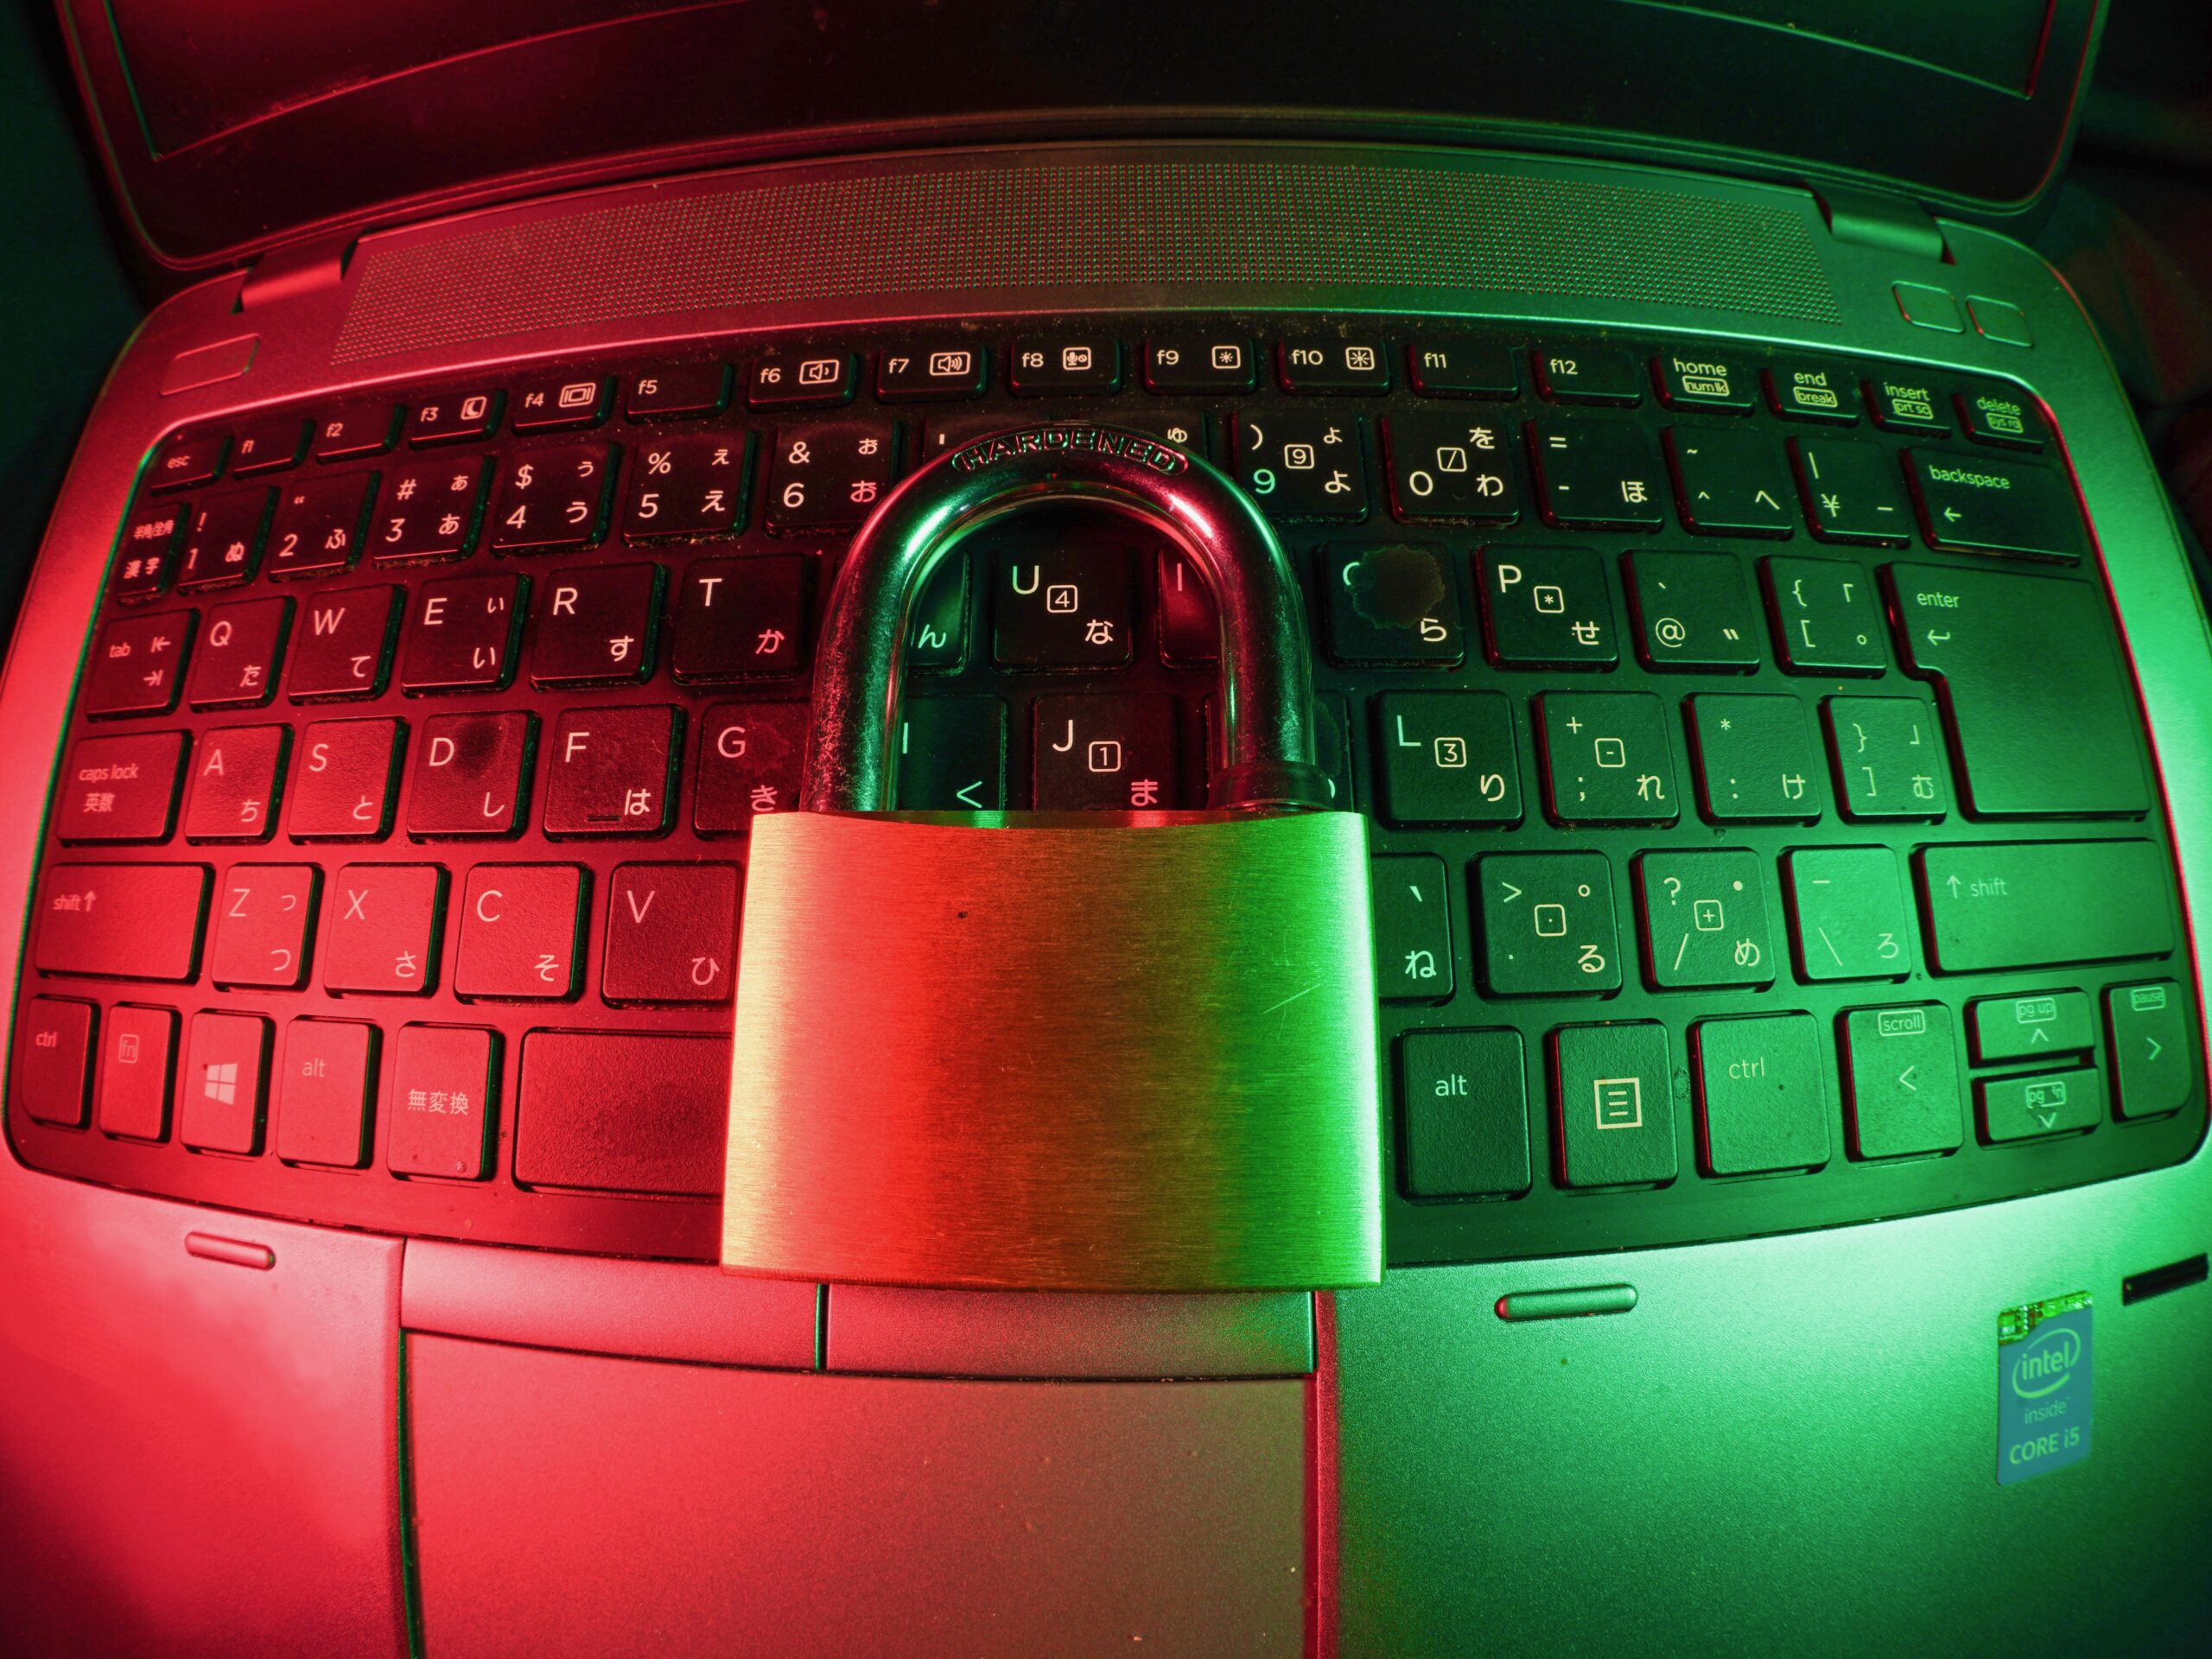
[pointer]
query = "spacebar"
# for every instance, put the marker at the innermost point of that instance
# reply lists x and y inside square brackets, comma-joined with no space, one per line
[623,1112]
[2037,904]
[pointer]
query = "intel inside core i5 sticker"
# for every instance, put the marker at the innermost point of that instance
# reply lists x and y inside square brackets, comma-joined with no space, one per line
[2042,1386]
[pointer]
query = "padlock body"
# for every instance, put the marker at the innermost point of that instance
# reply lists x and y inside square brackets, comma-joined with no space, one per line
[1056,1052]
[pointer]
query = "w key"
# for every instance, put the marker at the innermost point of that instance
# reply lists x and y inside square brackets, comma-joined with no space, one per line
[339,650]
[461,633]
[672,933]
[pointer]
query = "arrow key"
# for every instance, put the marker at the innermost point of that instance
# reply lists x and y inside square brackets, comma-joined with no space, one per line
[2154,1062]
[2028,1027]
[2040,1103]
[1901,1081]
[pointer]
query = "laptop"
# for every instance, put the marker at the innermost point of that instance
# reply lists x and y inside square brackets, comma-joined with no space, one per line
[1727,632]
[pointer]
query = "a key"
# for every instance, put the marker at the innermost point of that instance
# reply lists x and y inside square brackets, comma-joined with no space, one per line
[2154,1063]
[689,486]
[672,933]
[1547,608]
[1207,363]
[470,774]
[221,1097]
[2033,1026]
[2035,903]
[521,931]
[325,1092]
[1598,475]
[1333,366]
[749,758]
[595,625]
[1303,463]
[1705,919]
[147,559]
[264,926]
[1888,761]
[454,419]
[461,634]
[1901,1075]
[1826,617]
[1466,1102]
[1762,1094]
[1112,752]
[1547,924]
[54,1059]
[1062,607]
[1976,504]
[1450,365]
[830,476]
[138,1055]
[1851,492]
[223,539]
[742,618]
[185,461]
[1189,624]
[952,754]
[1906,403]
[1391,604]
[623,1112]
[678,391]
[1847,914]
[137,664]
[1755,759]
[320,523]
[917,370]
[1413,929]
[1063,364]
[812,379]
[547,498]
[559,405]
[119,788]
[1607,759]
[609,772]
[268,445]
[442,1083]
[1587,374]
[1811,390]
[428,510]
[937,635]
[1693,611]
[121,921]
[343,779]
[236,777]
[1614,1105]
[1721,385]
[343,646]
[367,427]
[1448,757]
[380,929]
[1730,483]
[2002,415]
[1446,468]
[239,654]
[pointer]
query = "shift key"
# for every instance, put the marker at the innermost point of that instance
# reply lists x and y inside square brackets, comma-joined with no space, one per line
[122,921]
[2037,904]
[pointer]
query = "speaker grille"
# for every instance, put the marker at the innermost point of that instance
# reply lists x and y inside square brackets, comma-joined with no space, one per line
[1261,225]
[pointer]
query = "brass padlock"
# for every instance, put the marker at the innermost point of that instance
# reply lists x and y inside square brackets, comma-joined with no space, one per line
[1103,1051]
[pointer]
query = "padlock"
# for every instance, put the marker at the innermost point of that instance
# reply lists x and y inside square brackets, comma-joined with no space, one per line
[1100,1050]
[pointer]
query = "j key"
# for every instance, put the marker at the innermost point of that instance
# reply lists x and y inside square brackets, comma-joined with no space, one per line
[222,541]
[325,1086]
[2002,417]
[121,921]
[137,664]
[595,626]
[471,775]
[679,392]
[1444,467]
[1413,929]
[1302,464]
[1907,404]
[1614,1105]
[1889,760]
[264,926]
[1448,757]
[455,419]
[238,656]
[380,929]
[269,446]
[742,619]
[319,524]
[1598,475]
[343,647]
[749,759]
[915,371]
[120,788]
[429,510]
[343,782]
[184,461]
[1847,913]
[610,772]
[1705,919]
[53,1061]
[1189,627]
[1826,617]
[1062,607]
[1755,759]
[236,778]
[443,1079]
[461,634]
[1195,363]
[1071,364]
[1977,504]
[1587,374]
[1448,366]
[1851,492]
[137,1061]
[1606,758]
[1547,608]
[520,932]
[1813,392]
[672,933]
[1391,605]
[552,498]
[813,381]
[1333,366]
[221,1094]
[1725,385]
[559,405]
[1547,924]
[1105,752]
[147,558]
[952,755]
[828,477]
[1730,483]
[692,486]
[366,428]
[1692,610]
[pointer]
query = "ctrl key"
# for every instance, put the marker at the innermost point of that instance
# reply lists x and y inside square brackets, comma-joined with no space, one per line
[443,1080]
[53,1048]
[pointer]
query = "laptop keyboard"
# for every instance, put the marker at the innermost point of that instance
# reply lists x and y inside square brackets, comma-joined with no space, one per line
[1764,832]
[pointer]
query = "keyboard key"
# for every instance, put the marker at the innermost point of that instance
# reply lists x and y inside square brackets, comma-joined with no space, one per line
[1451,367]
[1763,1097]
[1391,605]
[185,461]
[137,1065]
[749,759]
[2154,1063]
[1547,608]
[147,558]
[1730,483]
[54,1059]
[1615,1100]
[618,1112]
[120,788]
[1718,384]
[344,645]
[342,787]
[1705,919]
[269,446]
[1693,611]
[137,664]
[802,380]
[223,539]
[692,486]
[2047,1102]
[443,1082]
[319,524]
[264,926]
[2038,904]
[220,1096]
[471,775]
[1847,913]
[559,405]
[1889,761]
[742,618]
[380,934]
[368,427]
[1113,753]
[462,633]
[1598,475]
[1196,363]
[1443,467]
[429,510]
[1333,366]
[240,653]
[455,419]
[521,931]
[550,498]
[1303,464]
[1591,374]
[951,755]
[1547,924]
[1070,364]
[1805,390]
[2002,415]
[1850,493]
[936,636]
[1413,929]
[1190,626]
[2032,1027]
[610,772]
[1977,504]
[595,625]
[1606,758]
[1062,607]
[672,933]
[677,391]
[1825,620]
[1904,403]
[829,477]
[1755,760]
[235,781]
[1447,756]
[1901,1079]
[921,370]
[325,1090]
[121,921]
[1465,1097]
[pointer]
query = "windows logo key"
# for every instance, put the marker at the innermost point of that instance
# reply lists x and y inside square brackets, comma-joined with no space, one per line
[220,1081]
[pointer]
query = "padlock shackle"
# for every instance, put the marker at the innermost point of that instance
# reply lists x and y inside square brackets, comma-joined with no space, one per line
[1267,674]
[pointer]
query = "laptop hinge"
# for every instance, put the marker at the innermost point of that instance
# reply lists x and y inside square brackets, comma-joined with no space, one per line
[286,273]
[1875,219]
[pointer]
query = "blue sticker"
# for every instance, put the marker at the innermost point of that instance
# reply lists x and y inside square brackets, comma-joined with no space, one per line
[2042,1386]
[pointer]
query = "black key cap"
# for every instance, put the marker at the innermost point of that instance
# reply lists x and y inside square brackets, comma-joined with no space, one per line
[137,664]
[121,921]
[1975,503]
[552,498]
[380,929]
[429,510]
[443,1081]
[343,784]
[1547,924]
[1333,366]
[952,755]
[1763,1094]
[2037,904]
[269,446]
[937,635]
[239,654]
[147,558]
[1061,607]
[802,380]
[2050,1102]
[1443,467]
[562,405]
[742,619]
[1615,1101]
[595,625]
[1730,483]
[1547,608]
[919,371]
[1850,492]
[2154,1064]
[325,1092]
[672,933]
[119,788]
[1693,611]
[1807,391]
[1465,1099]
[1847,913]
[610,772]
[54,1059]
[1826,620]
[749,759]
[2038,1025]
[1042,367]
[1705,919]
[1591,374]
[1755,759]
[462,633]
[236,778]
[455,419]
[1451,367]
[1303,464]
[1115,753]
[828,477]
[678,391]
[344,645]
[319,524]
[1889,762]
[1723,384]
[1901,1081]
[1606,758]
[520,932]
[366,428]
[1599,474]
[1447,756]
[1391,605]
[1189,627]
[1199,363]
[692,486]
[623,1113]
[137,1066]
[264,926]
[1413,929]
[2003,415]
[222,1093]
[471,775]
[1907,402]
[223,539]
